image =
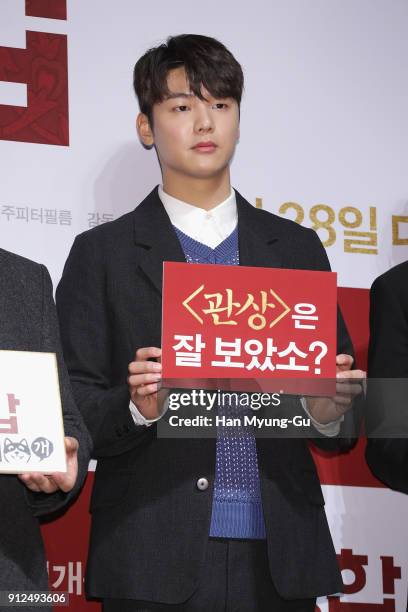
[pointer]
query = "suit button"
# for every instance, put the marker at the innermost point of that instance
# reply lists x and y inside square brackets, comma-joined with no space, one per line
[202,484]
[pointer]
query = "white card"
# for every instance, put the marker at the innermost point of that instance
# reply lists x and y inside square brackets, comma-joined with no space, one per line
[31,422]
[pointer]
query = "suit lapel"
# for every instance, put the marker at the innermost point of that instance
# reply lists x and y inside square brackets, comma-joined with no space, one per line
[258,244]
[155,239]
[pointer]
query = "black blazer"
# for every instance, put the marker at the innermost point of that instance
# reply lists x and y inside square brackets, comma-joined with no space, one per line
[150,521]
[28,322]
[387,401]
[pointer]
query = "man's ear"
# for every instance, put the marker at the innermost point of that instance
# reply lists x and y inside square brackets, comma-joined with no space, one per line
[144,130]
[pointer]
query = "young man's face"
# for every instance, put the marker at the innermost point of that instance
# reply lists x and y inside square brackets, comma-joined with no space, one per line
[194,138]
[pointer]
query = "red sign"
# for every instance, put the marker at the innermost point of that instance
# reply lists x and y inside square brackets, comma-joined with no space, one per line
[256,324]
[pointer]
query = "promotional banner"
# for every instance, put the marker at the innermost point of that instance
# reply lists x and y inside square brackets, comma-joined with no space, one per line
[323,143]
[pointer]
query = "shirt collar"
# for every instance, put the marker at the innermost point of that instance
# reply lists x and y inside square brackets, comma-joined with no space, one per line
[194,221]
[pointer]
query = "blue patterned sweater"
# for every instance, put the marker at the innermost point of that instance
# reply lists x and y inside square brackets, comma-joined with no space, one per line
[237,506]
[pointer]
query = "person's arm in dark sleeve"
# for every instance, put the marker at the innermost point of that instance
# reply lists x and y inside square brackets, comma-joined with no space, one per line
[74,426]
[351,423]
[87,341]
[387,397]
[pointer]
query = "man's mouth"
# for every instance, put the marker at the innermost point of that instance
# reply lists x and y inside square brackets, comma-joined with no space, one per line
[205,147]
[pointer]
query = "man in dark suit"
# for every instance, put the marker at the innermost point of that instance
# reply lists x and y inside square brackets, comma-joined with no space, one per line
[192,524]
[28,323]
[387,415]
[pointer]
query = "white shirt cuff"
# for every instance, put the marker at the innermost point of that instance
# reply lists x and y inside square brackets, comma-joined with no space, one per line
[138,417]
[330,430]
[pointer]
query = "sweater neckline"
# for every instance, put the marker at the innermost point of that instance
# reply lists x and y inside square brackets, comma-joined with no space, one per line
[228,244]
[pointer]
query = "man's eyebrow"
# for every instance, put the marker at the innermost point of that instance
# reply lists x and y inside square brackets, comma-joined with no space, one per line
[179,94]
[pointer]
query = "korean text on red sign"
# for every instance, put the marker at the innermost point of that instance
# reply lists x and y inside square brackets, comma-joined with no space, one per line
[237,322]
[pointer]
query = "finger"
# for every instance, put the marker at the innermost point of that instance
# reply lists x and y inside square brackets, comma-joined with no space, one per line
[143,379]
[71,445]
[40,482]
[26,479]
[149,352]
[357,374]
[352,393]
[340,411]
[65,480]
[344,362]
[141,367]
[331,412]
[353,383]
[343,400]
[33,487]
[147,390]
[348,388]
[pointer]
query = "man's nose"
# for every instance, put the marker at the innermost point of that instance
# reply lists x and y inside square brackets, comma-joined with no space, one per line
[204,120]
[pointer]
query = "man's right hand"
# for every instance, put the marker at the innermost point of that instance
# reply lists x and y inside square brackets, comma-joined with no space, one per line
[143,379]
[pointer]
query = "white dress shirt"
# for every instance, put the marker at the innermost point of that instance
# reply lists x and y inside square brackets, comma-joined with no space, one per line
[210,227]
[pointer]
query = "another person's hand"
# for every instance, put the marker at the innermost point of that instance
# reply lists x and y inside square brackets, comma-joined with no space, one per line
[63,481]
[143,380]
[348,386]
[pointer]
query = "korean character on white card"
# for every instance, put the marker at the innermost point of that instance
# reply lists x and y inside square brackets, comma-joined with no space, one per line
[10,425]
[51,216]
[361,240]
[8,211]
[191,355]
[36,214]
[227,350]
[255,348]
[305,315]
[294,352]
[22,213]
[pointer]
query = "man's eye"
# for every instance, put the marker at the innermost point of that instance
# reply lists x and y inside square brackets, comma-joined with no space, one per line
[181,108]
[220,105]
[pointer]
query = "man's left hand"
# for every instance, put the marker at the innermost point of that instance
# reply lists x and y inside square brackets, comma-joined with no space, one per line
[57,481]
[348,386]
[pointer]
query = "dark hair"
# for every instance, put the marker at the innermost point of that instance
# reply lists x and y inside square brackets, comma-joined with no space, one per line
[207,63]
